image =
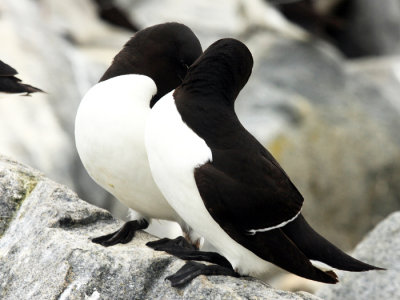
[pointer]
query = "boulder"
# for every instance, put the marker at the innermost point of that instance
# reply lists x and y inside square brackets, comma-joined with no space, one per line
[48,45]
[381,247]
[368,28]
[212,20]
[358,28]
[331,123]
[46,252]
[333,128]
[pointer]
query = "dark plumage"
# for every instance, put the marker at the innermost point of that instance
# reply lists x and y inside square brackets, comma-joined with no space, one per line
[242,186]
[11,84]
[164,58]
[241,167]
[112,115]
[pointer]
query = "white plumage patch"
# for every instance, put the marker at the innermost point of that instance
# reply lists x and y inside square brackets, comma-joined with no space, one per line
[174,151]
[254,231]
[109,135]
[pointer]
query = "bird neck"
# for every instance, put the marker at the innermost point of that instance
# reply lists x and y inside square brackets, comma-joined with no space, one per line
[212,78]
[124,64]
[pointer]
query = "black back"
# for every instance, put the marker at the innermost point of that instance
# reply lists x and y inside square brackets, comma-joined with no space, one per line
[253,186]
[244,187]
[163,52]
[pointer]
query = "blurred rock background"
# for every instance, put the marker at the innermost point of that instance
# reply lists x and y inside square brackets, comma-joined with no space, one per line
[323,97]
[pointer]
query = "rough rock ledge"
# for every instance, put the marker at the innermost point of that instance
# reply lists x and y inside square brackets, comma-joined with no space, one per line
[46,252]
[381,247]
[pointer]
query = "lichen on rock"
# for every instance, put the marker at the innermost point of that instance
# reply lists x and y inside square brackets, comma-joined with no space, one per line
[16,183]
[46,252]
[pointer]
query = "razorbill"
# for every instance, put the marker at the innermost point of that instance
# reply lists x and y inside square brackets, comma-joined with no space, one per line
[9,84]
[110,121]
[224,184]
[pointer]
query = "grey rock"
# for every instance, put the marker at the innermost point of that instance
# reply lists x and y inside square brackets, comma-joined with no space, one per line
[46,252]
[382,248]
[370,28]
[333,129]
[212,20]
[48,44]
[16,183]
[66,19]
[64,48]
[333,125]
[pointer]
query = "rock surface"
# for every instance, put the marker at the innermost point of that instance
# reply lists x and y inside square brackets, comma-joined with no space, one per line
[381,22]
[358,28]
[46,252]
[333,126]
[38,130]
[381,247]
[331,123]
[212,20]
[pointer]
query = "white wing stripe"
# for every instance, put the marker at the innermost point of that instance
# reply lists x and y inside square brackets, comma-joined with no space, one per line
[254,231]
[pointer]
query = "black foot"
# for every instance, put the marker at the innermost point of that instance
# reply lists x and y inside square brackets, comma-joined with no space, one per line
[193,269]
[182,249]
[167,244]
[124,235]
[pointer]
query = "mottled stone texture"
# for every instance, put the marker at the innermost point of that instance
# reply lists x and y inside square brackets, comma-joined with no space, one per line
[46,252]
[16,183]
[333,126]
[381,247]
[334,131]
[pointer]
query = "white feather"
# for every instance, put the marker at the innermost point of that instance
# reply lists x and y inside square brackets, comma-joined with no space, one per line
[174,151]
[254,231]
[109,135]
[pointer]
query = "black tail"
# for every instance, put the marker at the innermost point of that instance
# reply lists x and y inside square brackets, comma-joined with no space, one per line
[315,247]
[13,85]
[274,246]
[30,89]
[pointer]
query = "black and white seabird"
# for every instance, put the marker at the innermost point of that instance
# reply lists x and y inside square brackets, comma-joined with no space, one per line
[110,121]
[9,84]
[224,184]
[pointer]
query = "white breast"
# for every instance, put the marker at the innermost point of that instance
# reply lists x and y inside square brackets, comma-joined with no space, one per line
[174,151]
[109,135]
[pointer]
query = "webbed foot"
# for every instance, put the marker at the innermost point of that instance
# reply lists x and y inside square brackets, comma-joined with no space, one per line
[193,269]
[166,244]
[123,235]
[182,249]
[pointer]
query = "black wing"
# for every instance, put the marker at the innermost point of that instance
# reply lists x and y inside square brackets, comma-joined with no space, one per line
[11,84]
[275,247]
[238,207]
[6,70]
[250,190]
